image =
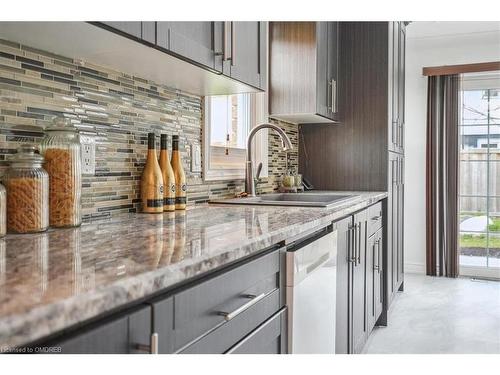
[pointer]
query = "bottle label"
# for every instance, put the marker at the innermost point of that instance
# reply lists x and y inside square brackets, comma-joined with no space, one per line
[168,201]
[184,188]
[180,200]
[154,203]
[172,188]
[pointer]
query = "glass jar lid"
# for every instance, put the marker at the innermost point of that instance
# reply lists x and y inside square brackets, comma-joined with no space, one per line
[62,124]
[27,154]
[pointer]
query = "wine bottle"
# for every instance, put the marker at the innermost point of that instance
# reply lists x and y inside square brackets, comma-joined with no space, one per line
[152,181]
[168,176]
[180,176]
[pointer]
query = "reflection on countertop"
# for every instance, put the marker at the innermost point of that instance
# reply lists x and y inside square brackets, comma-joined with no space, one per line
[50,281]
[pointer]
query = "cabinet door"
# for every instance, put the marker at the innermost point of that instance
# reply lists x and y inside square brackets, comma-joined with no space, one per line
[400,223]
[344,259]
[119,336]
[333,82]
[327,69]
[370,282]
[395,75]
[269,338]
[358,282]
[392,226]
[322,72]
[378,275]
[190,40]
[401,93]
[133,28]
[246,62]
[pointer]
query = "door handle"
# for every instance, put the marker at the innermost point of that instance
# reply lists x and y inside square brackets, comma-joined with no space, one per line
[351,258]
[152,348]
[253,300]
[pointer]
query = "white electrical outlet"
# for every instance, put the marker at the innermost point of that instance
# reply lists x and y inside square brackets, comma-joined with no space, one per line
[88,154]
[195,158]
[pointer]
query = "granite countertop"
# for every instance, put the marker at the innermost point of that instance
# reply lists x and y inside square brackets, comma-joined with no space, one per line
[53,280]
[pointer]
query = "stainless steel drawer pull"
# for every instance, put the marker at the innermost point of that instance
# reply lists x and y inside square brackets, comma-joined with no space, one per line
[152,348]
[253,300]
[376,218]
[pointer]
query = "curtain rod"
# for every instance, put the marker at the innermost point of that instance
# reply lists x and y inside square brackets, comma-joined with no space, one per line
[463,68]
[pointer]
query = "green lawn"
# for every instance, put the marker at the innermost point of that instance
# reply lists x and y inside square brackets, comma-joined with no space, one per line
[469,240]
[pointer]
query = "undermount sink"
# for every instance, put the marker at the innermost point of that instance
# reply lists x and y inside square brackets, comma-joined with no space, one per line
[290,199]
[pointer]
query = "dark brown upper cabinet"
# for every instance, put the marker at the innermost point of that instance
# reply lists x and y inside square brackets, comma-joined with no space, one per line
[303,75]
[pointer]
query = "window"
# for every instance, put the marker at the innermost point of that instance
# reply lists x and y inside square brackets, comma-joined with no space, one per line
[228,120]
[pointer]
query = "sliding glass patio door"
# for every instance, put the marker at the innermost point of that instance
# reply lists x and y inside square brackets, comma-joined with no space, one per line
[479,191]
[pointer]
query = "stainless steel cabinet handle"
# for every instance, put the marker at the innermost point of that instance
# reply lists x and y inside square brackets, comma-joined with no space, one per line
[334,96]
[254,299]
[152,348]
[379,248]
[359,244]
[351,246]
[376,266]
[233,44]
[225,48]
[376,218]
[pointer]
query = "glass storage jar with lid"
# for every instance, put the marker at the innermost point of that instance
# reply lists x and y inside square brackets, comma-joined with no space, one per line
[3,211]
[27,185]
[61,150]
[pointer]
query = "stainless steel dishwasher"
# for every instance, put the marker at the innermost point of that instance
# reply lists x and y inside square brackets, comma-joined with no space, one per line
[311,264]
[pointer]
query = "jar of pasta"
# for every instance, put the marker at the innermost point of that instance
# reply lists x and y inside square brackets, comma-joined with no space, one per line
[27,185]
[61,150]
[3,211]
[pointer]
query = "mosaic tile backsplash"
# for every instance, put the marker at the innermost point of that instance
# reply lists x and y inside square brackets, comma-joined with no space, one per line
[118,109]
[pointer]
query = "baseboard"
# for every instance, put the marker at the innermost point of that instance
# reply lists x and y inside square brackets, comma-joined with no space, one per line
[414,268]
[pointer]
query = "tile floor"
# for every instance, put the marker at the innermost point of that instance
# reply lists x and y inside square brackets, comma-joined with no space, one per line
[441,315]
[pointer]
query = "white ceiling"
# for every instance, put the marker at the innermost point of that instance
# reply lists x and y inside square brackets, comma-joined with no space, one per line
[438,29]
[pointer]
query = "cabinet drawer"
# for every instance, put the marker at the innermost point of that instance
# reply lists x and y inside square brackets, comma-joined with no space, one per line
[200,309]
[223,338]
[269,338]
[118,336]
[374,218]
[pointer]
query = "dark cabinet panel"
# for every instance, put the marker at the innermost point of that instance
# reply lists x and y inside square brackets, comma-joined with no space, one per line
[191,40]
[344,247]
[370,307]
[119,336]
[245,61]
[133,28]
[269,338]
[163,324]
[395,220]
[200,308]
[378,272]
[358,304]
[149,31]
[304,74]
[231,332]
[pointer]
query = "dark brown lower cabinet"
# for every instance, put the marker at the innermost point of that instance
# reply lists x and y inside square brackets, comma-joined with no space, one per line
[128,334]
[360,254]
